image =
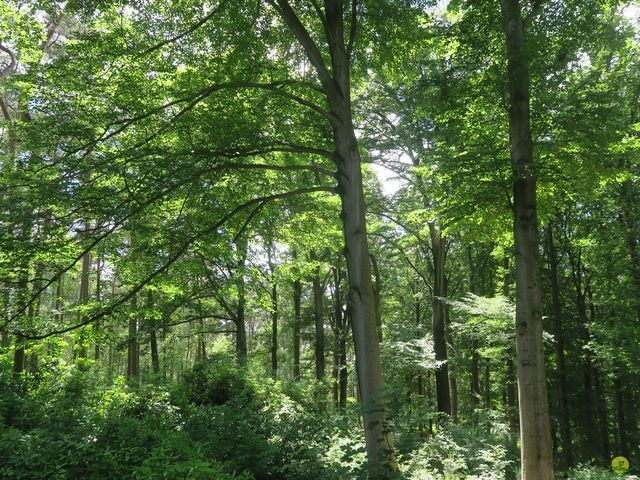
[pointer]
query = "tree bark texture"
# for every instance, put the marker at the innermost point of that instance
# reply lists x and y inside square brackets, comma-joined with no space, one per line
[319,324]
[335,80]
[535,431]
[438,319]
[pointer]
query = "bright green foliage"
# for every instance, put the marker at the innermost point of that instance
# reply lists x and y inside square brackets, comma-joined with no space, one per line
[175,148]
[68,427]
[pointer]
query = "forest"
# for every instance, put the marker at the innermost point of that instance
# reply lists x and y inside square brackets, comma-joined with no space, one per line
[320,239]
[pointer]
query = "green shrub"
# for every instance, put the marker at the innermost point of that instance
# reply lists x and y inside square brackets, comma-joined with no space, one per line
[472,451]
[216,381]
[67,428]
[590,472]
[258,426]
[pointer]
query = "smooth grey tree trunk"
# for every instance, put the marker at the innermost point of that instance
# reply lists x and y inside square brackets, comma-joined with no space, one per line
[336,85]
[341,343]
[319,324]
[153,337]
[21,342]
[34,312]
[99,265]
[241,331]
[443,396]
[274,311]
[377,291]
[297,321]
[133,363]
[84,296]
[535,431]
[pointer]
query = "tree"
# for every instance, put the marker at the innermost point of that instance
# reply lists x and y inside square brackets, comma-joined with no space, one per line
[535,431]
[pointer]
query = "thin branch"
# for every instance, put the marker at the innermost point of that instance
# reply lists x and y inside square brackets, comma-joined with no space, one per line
[13,62]
[403,225]
[200,317]
[248,221]
[174,258]
[205,331]
[283,168]
[330,116]
[98,239]
[273,148]
[406,257]
[319,12]
[189,31]
[303,36]
[192,100]
[52,32]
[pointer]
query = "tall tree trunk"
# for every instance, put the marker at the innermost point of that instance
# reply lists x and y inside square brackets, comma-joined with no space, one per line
[133,363]
[361,307]
[201,353]
[19,355]
[59,301]
[20,342]
[99,264]
[155,356]
[438,319]
[453,386]
[417,311]
[153,337]
[512,409]
[22,295]
[535,431]
[319,323]
[274,312]
[598,385]
[4,335]
[335,371]
[453,379]
[84,296]
[241,330]
[601,415]
[297,321]
[34,312]
[475,375]
[590,421]
[337,88]
[341,342]
[487,385]
[474,399]
[561,364]
[274,330]
[629,217]
[377,288]
[344,372]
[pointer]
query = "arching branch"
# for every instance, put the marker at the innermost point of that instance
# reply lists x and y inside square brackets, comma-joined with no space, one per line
[115,128]
[303,36]
[174,258]
[406,258]
[13,62]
